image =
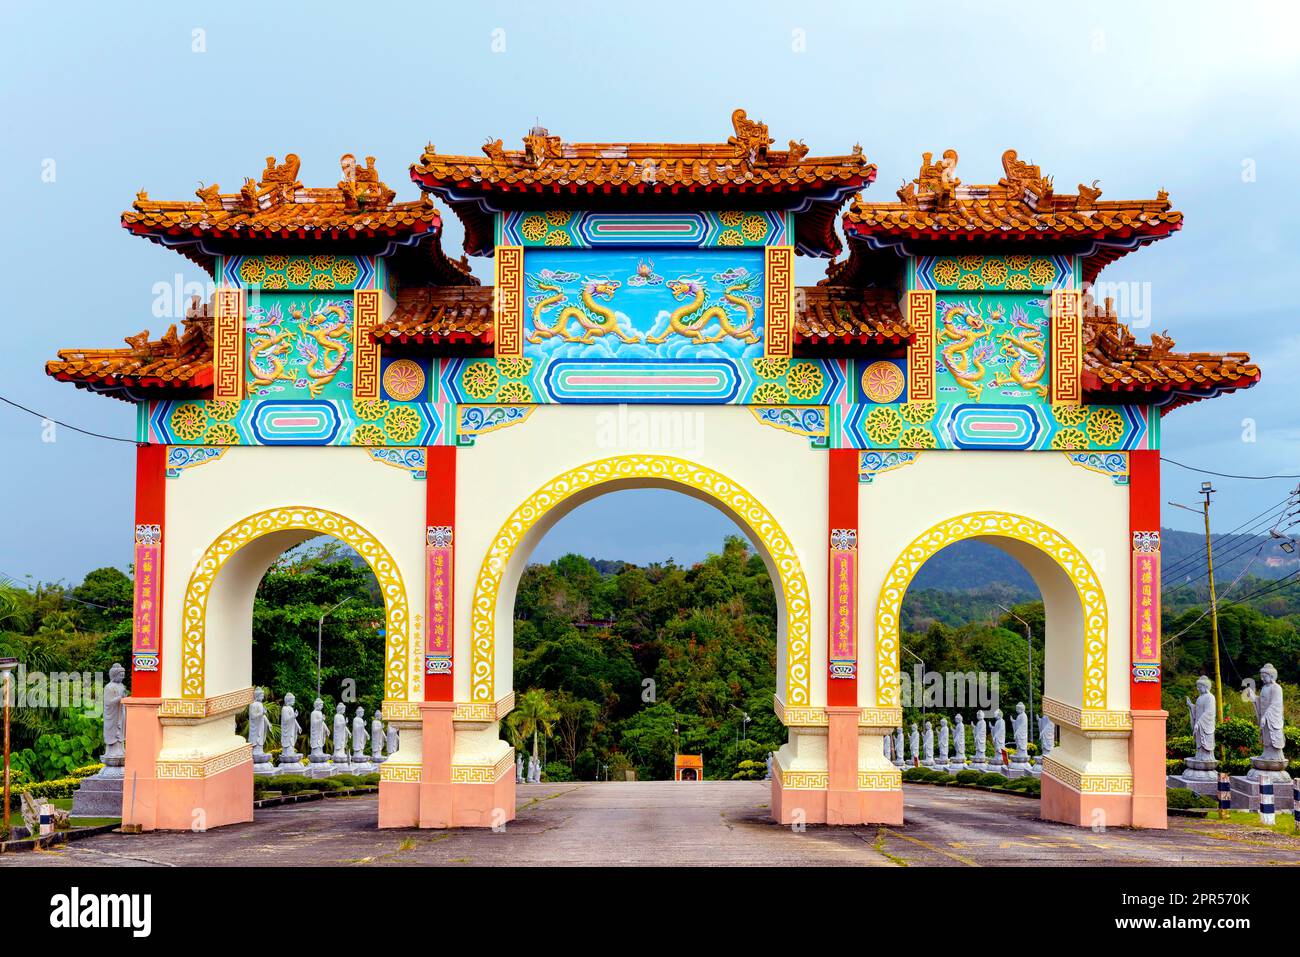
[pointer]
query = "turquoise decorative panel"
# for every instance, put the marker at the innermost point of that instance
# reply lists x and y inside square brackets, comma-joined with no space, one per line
[992,347]
[299,346]
[680,304]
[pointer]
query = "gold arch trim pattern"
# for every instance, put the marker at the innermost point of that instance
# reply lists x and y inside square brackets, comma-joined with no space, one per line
[793,584]
[194,616]
[1001,525]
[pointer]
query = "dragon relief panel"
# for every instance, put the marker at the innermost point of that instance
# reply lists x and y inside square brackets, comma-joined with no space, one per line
[644,304]
[299,347]
[993,348]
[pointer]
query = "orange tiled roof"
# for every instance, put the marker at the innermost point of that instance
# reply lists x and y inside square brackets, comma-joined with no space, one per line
[548,168]
[1023,205]
[439,314]
[1116,364]
[278,207]
[842,315]
[180,365]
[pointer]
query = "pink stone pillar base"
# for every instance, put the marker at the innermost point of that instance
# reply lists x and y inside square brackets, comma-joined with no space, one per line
[399,803]
[484,805]
[1146,756]
[441,803]
[184,804]
[1064,804]
[439,742]
[143,742]
[843,805]
[791,806]
[204,803]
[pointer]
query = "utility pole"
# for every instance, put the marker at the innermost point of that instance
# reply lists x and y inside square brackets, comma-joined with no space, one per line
[1208,489]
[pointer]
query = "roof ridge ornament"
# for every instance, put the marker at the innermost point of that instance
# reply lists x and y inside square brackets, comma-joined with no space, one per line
[1027,180]
[938,178]
[361,187]
[751,139]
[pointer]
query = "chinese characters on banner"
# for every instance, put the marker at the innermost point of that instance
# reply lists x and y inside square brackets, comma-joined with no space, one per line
[1146,616]
[843,611]
[148,566]
[437,648]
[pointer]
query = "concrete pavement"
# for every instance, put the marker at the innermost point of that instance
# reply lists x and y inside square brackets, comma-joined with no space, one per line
[667,823]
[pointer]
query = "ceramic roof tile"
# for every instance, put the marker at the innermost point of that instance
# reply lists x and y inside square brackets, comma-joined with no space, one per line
[842,315]
[278,207]
[1022,205]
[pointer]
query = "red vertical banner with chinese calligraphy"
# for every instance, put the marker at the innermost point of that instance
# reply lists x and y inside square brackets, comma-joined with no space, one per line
[440,579]
[1144,526]
[842,611]
[146,631]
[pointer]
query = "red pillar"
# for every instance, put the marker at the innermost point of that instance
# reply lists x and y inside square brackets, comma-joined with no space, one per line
[440,571]
[150,526]
[842,612]
[1147,744]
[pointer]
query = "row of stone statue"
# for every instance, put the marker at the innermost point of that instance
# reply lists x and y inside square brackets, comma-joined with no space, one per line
[534,773]
[340,761]
[1271,763]
[953,739]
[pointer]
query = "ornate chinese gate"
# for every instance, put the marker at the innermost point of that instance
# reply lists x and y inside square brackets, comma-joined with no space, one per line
[951,378]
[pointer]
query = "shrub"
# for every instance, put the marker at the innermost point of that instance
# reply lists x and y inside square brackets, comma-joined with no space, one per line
[556,771]
[1180,746]
[1183,798]
[991,779]
[969,776]
[58,789]
[1239,735]
[915,774]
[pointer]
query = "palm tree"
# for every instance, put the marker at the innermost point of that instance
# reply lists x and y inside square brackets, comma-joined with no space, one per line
[534,714]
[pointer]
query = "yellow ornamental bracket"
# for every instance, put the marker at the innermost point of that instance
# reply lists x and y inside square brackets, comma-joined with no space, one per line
[1067,347]
[779,302]
[508,302]
[920,354]
[228,345]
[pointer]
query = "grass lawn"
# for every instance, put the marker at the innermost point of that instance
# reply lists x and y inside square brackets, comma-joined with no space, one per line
[66,805]
[1285,821]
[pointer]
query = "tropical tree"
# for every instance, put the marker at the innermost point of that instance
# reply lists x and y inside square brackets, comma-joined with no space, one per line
[534,715]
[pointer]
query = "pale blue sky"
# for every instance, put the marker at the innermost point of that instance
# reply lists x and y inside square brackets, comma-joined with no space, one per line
[1140,96]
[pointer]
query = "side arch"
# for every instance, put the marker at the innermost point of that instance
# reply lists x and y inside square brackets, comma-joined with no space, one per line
[993,526]
[655,470]
[278,521]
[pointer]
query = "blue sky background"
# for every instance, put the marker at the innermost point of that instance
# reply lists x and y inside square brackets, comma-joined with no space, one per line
[1183,96]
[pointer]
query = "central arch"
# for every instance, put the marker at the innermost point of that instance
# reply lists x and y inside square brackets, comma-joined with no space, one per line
[646,470]
[278,528]
[1003,529]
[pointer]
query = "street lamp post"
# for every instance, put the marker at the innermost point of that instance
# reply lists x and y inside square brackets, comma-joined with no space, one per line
[320,628]
[1029,640]
[914,691]
[7,665]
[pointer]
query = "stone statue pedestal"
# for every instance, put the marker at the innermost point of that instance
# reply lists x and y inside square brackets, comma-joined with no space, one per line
[1020,765]
[1201,770]
[100,795]
[955,766]
[899,763]
[1197,785]
[319,769]
[362,766]
[340,767]
[290,763]
[1263,769]
[1245,791]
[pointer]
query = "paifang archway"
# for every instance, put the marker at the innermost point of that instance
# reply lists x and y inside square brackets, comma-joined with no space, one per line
[348,366]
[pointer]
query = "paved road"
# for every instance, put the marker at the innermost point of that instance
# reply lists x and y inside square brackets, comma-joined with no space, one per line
[661,822]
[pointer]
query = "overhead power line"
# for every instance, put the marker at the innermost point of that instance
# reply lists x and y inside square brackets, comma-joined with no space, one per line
[66,425]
